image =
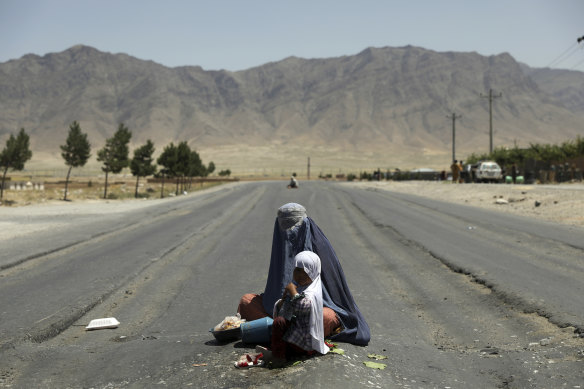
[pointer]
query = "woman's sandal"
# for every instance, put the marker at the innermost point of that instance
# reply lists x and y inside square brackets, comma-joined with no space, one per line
[248,360]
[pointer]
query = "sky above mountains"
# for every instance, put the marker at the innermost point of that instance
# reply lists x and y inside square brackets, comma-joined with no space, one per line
[237,35]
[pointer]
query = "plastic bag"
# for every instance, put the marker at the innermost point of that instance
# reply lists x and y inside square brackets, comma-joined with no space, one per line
[229,323]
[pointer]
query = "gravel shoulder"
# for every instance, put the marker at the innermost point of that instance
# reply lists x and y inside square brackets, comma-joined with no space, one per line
[38,217]
[555,203]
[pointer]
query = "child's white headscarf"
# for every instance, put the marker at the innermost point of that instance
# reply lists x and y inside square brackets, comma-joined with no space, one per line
[310,262]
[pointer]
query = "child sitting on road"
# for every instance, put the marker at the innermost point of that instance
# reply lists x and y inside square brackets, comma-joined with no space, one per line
[298,325]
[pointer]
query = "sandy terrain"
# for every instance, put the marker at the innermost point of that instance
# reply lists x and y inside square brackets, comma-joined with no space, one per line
[557,203]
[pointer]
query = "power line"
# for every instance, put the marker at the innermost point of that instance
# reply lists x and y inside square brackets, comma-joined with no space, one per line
[574,48]
[578,64]
[565,55]
[569,52]
[491,97]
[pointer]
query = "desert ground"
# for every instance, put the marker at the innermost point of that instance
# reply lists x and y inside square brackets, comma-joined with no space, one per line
[562,203]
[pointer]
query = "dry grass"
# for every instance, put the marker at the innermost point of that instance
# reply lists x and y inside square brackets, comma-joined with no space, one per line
[92,189]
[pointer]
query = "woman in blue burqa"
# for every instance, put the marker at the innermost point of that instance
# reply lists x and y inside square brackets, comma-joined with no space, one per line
[294,232]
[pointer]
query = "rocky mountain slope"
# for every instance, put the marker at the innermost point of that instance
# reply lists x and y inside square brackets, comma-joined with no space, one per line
[383,103]
[567,86]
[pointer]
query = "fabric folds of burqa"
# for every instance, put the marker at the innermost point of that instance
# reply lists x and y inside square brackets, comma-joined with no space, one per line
[299,233]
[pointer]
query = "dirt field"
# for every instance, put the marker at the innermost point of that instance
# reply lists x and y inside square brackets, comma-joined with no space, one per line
[562,203]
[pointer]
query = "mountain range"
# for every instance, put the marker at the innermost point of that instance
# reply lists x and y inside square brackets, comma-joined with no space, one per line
[383,107]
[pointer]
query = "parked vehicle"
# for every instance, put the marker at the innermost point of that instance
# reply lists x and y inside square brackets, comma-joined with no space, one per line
[487,171]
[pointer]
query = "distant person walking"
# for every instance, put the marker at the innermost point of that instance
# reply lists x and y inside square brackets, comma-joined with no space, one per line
[455,168]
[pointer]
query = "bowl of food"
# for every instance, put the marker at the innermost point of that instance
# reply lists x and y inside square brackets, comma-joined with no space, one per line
[227,335]
[229,329]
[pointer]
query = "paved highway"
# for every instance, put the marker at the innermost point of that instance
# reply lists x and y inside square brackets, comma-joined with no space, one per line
[455,296]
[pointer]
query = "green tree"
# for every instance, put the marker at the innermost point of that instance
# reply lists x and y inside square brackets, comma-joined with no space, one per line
[210,168]
[570,149]
[197,169]
[76,151]
[580,146]
[183,164]
[14,155]
[141,165]
[546,153]
[114,155]
[168,160]
[502,156]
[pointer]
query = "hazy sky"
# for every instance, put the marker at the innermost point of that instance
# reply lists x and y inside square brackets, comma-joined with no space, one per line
[239,34]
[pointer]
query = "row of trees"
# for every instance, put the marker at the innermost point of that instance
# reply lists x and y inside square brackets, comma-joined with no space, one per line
[547,154]
[531,160]
[182,163]
[179,162]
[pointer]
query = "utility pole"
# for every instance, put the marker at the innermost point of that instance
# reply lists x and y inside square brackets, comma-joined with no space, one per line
[491,97]
[453,117]
[308,170]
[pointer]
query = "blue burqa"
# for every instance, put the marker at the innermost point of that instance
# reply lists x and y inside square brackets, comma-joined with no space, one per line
[295,232]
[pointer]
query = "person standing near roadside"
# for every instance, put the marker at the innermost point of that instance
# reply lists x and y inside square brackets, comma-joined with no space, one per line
[455,168]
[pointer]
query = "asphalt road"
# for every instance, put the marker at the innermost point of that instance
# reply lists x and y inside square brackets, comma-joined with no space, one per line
[456,297]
